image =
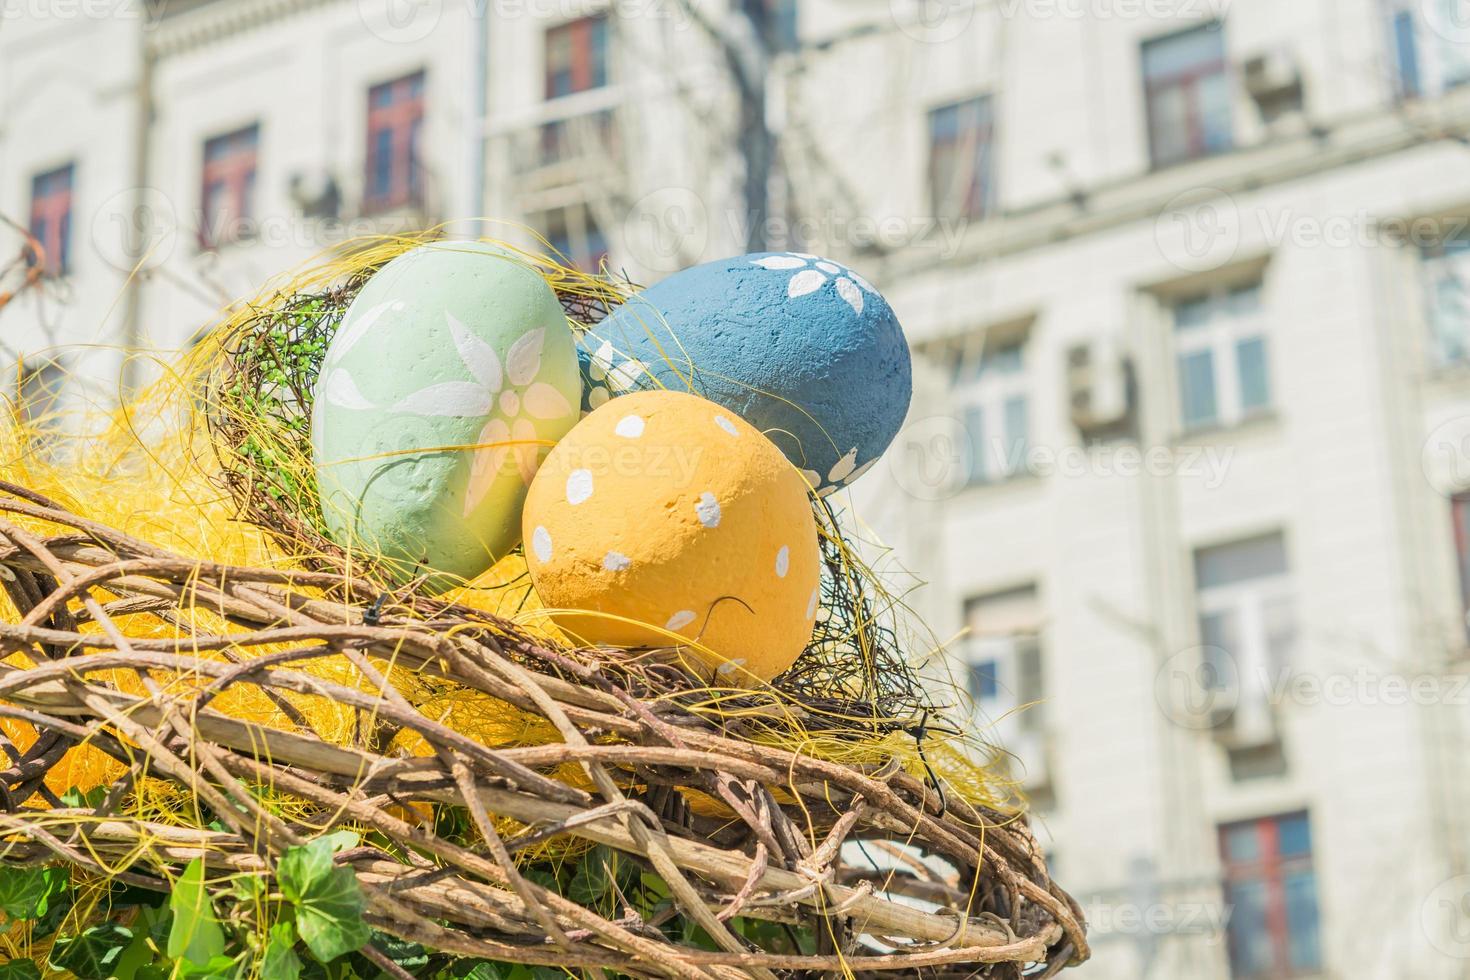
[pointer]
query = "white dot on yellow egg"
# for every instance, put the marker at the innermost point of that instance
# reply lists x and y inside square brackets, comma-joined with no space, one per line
[541,544]
[727,425]
[579,486]
[730,666]
[708,510]
[615,561]
[811,605]
[679,620]
[630,428]
[783,561]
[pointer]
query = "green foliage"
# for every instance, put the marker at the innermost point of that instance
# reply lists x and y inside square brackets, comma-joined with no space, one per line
[280,961]
[27,893]
[20,970]
[93,954]
[326,901]
[196,936]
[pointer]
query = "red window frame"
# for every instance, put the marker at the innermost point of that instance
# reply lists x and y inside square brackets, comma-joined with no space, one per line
[1189,81]
[578,51]
[51,205]
[1460,516]
[970,145]
[394,173]
[227,186]
[1269,868]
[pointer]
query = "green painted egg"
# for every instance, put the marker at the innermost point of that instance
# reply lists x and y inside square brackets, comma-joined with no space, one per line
[452,375]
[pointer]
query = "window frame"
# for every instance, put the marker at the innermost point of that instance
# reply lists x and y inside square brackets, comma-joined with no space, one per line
[1222,336]
[1427,72]
[990,392]
[1446,259]
[974,142]
[1271,868]
[589,62]
[54,209]
[236,166]
[401,119]
[1190,82]
[1016,660]
[581,235]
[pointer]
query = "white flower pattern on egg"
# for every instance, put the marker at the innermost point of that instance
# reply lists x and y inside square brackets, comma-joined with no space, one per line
[810,273]
[509,431]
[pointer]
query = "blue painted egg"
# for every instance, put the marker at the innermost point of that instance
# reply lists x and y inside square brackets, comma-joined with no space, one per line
[803,348]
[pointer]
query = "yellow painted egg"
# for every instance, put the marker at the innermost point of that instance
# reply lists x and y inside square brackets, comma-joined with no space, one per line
[665,520]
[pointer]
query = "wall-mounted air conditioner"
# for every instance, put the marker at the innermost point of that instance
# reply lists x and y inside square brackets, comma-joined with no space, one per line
[1099,386]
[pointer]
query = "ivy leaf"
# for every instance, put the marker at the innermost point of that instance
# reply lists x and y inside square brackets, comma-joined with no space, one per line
[280,961]
[26,893]
[93,954]
[20,970]
[89,798]
[196,935]
[326,898]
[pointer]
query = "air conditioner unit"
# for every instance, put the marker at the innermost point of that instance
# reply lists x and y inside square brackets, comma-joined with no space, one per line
[1274,80]
[1099,386]
[1249,723]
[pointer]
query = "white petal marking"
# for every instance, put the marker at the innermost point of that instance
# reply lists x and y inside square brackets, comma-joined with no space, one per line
[861,282]
[479,357]
[777,262]
[783,561]
[812,477]
[708,510]
[805,282]
[679,620]
[851,293]
[844,466]
[544,402]
[523,359]
[626,374]
[830,268]
[603,356]
[579,487]
[348,337]
[616,561]
[541,544]
[852,477]
[449,399]
[629,427]
[340,390]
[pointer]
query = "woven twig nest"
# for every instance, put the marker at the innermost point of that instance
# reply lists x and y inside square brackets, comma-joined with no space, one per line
[698,817]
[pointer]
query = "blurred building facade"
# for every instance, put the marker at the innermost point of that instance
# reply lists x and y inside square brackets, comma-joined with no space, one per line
[1185,282]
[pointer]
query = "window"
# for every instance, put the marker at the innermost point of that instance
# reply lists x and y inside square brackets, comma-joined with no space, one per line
[576,56]
[1272,891]
[228,196]
[784,23]
[1187,90]
[1427,51]
[990,386]
[1003,666]
[1223,357]
[1446,266]
[1247,626]
[51,199]
[1460,512]
[574,234]
[394,138]
[959,158]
